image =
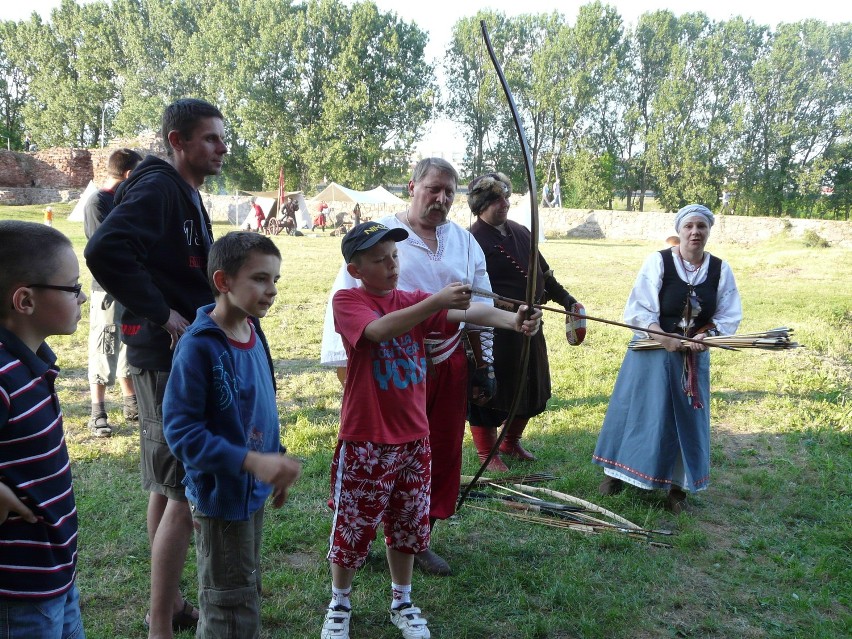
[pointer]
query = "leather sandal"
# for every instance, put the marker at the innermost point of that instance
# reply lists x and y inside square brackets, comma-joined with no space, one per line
[181,620]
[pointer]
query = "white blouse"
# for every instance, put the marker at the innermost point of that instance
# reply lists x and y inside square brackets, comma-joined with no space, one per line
[643,305]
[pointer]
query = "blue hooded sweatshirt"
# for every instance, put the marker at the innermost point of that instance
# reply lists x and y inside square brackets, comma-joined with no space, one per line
[219,404]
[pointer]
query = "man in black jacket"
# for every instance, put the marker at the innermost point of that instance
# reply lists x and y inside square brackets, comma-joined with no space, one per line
[151,255]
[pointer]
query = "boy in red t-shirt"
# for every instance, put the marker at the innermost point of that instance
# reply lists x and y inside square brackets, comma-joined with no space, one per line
[381,470]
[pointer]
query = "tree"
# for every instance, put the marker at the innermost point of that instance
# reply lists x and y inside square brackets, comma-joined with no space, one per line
[364,128]
[71,73]
[798,108]
[838,178]
[14,85]
[151,39]
[654,41]
[327,89]
[590,120]
[588,179]
[697,108]
[473,101]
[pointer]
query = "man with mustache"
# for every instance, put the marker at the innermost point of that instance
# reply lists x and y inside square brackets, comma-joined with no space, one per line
[436,253]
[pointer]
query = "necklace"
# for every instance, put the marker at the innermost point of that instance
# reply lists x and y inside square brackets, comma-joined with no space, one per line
[425,239]
[221,324]
[690,269]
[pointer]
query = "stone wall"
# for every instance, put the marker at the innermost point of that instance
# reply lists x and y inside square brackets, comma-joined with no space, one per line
[20,197]
[50,168]
[656,227]
[60,174]
[591,224]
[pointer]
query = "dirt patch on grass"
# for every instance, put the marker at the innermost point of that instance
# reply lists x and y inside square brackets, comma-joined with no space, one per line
[300,560]
[736,441]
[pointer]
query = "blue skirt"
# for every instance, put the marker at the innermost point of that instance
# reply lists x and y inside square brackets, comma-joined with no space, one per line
[652,437]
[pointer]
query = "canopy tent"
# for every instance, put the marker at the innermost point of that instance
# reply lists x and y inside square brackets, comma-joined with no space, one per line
[523,216]
[336,193]
[76,214]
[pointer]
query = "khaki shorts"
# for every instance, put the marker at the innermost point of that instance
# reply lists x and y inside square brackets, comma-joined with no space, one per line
[107,353]
[161,471]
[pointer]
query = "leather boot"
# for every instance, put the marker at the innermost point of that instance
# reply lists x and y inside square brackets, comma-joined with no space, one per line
[484,439]
[611,486]
[511,445]
[432,563]
[676,501]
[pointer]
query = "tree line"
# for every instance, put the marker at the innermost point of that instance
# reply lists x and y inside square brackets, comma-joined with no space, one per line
[322,88]
[682,106]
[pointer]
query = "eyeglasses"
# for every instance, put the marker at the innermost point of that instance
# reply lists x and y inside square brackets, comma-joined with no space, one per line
[55,287]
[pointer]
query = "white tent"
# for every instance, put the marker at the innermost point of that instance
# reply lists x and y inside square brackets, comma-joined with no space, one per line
[522,215]
[336,193]
[77,213]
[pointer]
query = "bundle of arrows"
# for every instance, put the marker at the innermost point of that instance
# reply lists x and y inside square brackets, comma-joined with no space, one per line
[522,502]
[778,339]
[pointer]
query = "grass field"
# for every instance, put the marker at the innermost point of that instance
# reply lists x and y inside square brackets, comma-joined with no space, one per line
[767,551]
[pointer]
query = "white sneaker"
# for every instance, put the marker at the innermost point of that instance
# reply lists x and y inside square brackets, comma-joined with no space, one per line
[336,624]
[407,618]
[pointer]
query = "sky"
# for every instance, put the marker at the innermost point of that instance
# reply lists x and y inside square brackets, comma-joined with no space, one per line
[437,17]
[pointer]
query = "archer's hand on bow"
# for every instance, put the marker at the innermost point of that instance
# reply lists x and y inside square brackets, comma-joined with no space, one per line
[527,326]
[671,342]
[692,346]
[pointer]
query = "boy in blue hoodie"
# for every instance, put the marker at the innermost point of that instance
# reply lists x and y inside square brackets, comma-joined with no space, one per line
[221,421]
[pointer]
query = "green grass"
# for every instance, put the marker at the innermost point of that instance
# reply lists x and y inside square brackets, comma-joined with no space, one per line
[765,554]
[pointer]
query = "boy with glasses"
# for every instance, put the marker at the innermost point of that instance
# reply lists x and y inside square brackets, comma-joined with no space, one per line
[40,296]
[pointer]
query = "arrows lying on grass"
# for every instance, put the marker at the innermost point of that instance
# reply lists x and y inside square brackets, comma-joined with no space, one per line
[519,502]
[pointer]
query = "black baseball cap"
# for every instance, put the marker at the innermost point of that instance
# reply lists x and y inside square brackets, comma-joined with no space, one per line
[367,234]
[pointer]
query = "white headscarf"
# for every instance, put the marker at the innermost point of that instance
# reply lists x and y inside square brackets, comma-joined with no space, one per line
[693,210]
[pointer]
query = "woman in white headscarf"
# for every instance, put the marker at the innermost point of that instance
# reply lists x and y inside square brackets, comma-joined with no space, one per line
[656,433]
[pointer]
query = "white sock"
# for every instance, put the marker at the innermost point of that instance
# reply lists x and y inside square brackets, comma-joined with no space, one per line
[401,595]
[340,597]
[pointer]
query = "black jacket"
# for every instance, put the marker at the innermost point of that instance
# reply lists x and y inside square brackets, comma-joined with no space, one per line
[150,253]
[94,213]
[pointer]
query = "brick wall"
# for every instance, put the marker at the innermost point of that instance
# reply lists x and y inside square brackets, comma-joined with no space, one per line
[53,175]
[50,168]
